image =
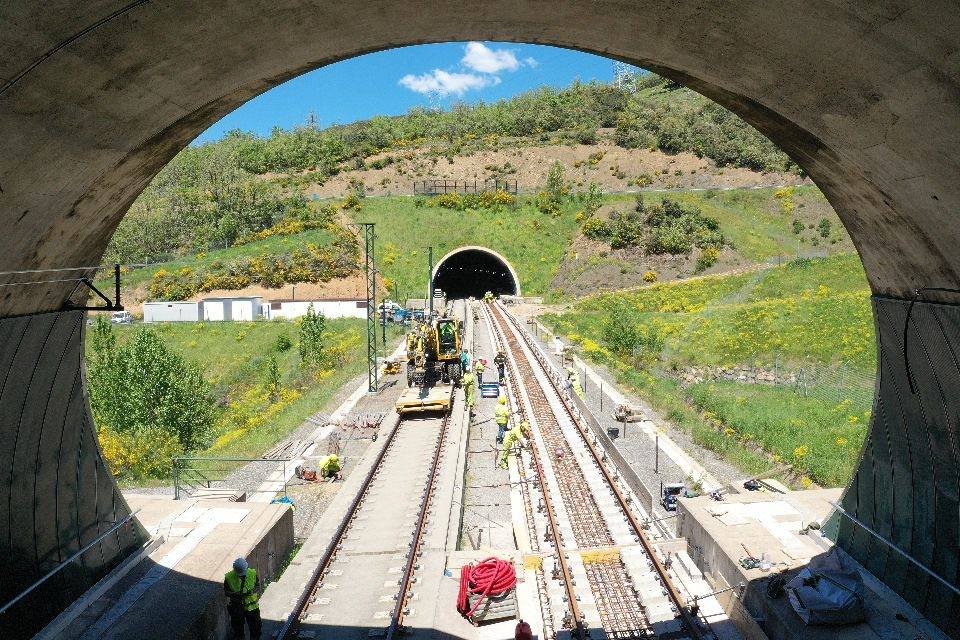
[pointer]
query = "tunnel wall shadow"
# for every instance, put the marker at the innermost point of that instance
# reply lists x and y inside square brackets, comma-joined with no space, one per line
[56,493]
[906,486]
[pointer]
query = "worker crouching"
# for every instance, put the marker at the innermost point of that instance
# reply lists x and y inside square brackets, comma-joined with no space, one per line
[242,588]
[516,437]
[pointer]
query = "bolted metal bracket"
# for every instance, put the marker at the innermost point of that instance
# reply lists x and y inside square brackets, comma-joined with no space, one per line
[88,283]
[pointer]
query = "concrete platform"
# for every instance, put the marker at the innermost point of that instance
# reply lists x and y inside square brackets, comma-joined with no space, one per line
[180,581]
[770,525]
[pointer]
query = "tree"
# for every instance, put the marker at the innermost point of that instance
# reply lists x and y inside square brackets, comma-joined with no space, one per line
[147,400]
[312,329]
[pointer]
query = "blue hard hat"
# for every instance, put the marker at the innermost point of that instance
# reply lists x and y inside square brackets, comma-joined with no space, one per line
[240,566]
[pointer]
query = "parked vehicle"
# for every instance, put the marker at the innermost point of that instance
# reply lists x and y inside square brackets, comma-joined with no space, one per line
[121,317]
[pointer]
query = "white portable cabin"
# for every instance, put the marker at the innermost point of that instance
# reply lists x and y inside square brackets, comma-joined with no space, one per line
[328,308]
[235,309]
[175,311]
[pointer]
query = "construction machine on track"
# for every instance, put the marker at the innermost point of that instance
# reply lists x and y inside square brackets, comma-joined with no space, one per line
[433,352]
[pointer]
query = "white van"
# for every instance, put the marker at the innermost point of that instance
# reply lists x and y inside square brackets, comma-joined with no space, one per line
[121,317]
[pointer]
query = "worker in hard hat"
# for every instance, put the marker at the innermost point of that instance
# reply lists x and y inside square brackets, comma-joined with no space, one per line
[488,296]
[470,390]
[330,467]
[480,367]
[573,381]
[242,588]
[501,361]
[515,438]
[465,361]
[502,417]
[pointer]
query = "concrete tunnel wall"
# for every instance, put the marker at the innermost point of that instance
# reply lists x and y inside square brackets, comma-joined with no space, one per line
[96,97]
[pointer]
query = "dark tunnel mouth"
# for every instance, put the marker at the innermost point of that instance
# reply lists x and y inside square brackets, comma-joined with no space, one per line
[473,272]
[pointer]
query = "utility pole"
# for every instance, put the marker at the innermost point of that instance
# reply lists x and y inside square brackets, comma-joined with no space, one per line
[430,279]
[370,269]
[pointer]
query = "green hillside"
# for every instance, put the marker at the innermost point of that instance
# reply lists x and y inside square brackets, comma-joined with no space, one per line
[808,322]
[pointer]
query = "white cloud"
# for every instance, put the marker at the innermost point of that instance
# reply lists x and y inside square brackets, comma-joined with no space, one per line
[483,59]
[531,62]
[443,83]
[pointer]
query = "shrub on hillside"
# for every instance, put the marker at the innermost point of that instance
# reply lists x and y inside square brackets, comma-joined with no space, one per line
[596,229]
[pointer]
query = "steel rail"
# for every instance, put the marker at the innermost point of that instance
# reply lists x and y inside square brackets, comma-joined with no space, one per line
[313,584]
[567,575]
[303,602]
[672,591]
[621,613]
[396,620]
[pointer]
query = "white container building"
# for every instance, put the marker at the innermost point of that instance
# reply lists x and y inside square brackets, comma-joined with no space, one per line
[176,311]
[242,309]
[329,308]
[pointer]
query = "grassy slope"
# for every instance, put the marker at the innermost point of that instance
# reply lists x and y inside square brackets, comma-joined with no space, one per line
[404,233]
[234,358]
[813,314]
[755,221]
[271,246]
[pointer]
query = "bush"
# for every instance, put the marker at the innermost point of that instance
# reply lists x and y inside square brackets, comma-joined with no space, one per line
[585,135]
[824,226]
[312,337]
[650,276]
[708,258]
[595,229]
[797,226]
[284,343]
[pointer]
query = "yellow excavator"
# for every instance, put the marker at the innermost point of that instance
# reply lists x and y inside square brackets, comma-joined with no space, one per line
[433,352]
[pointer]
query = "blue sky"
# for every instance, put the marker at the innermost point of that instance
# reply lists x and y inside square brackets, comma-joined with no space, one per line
[392,82]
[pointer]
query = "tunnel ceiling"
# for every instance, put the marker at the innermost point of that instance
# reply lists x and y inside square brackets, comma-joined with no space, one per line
[473,272]
[96,97]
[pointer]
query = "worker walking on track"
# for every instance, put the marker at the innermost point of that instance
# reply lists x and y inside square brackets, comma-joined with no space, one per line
[502,417]
[242,587]
[480,368]
[515,437]
[470,390]
[501,361]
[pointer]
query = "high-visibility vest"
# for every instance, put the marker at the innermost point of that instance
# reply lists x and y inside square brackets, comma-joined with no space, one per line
[502,414]
[245,587]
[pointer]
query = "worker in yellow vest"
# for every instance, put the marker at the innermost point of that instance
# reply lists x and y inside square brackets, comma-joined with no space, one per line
[501,416]
[479,367]
[330,467]
[515,438]
[243,594]
[470,390]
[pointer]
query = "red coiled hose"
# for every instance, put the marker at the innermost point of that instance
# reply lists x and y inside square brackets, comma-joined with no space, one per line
[490,577]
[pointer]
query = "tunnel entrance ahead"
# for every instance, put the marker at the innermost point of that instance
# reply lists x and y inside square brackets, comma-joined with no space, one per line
[472,271]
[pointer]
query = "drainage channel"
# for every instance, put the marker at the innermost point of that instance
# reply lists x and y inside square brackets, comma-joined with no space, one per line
[630,590]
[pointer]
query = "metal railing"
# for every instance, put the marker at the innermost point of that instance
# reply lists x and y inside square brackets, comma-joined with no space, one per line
[440,187]
[193,473]
[59,567]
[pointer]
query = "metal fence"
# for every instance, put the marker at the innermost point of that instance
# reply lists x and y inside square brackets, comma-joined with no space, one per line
[435,187]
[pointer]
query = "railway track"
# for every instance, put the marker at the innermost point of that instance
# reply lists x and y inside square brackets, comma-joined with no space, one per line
[380,536]
[589,518]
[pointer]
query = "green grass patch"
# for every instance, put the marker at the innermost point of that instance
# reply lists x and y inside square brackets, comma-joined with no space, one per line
[534,243]
[810,318]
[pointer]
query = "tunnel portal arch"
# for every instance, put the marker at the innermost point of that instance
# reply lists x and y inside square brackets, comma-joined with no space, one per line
[96,100]
[474,270]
